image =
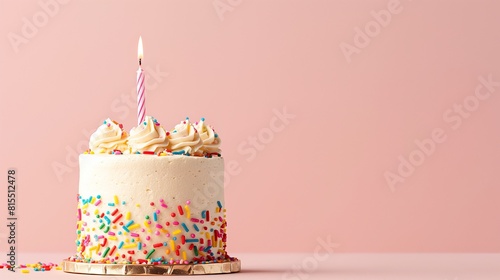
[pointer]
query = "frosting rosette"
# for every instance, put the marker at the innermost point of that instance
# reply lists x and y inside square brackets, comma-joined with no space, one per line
[148,136]
[211,141]
[184,139]
[108,137]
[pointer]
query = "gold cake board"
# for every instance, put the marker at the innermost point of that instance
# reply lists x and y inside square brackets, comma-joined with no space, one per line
[151,269]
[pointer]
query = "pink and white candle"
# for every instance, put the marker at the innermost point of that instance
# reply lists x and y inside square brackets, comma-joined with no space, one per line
[141,87]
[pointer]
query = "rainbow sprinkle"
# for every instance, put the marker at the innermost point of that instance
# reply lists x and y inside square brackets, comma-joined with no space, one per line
[37,267]
[113,235]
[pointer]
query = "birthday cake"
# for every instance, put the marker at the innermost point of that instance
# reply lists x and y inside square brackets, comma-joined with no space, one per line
[152,196]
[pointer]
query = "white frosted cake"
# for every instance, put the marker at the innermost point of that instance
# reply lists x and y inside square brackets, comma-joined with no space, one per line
[152,196]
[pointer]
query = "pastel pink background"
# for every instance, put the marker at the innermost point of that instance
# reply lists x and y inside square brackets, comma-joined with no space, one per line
[323,174]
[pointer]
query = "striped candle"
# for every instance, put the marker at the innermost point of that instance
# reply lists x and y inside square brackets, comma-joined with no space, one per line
[141,87]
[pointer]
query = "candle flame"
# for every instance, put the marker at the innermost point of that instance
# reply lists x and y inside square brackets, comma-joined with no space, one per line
[140,53]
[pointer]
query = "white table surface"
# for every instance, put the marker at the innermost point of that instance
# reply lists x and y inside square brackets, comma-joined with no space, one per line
[335,266]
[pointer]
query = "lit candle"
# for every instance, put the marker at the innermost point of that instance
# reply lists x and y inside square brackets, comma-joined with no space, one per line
[141,87]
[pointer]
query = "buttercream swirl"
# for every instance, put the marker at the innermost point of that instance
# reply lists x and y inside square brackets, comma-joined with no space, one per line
[211,141]
[148,136]
[108,137]
[184,139]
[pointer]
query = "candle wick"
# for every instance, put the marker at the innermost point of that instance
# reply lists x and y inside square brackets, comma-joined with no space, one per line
[140,61]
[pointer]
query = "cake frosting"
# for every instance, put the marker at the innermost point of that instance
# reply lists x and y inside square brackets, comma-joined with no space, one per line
[185,139]
[148,136]
[108,138]
[211,141]
[152,196]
